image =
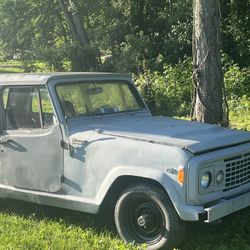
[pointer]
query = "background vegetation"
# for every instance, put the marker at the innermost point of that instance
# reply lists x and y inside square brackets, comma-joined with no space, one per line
[149,39]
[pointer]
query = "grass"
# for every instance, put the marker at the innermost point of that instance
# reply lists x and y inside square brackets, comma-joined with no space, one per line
[233,233]
[29,226]
[11,67]
[16,66]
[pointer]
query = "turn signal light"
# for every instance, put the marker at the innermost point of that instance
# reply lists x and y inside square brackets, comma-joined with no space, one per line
[181,175]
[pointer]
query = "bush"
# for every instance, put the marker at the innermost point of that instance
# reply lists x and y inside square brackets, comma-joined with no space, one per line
[168,93]
[239,114]
[237,81]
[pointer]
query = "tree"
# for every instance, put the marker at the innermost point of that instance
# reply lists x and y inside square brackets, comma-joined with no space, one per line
[235,30]
[49,30]
[125,35]
[34,29]
[207,70]
[157,32]
[83,56]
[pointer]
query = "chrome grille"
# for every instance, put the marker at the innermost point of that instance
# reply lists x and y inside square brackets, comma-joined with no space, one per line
[237,171]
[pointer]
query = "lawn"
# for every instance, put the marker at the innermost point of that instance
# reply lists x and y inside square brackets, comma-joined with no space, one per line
[30,226]
[15,66]
[11,67]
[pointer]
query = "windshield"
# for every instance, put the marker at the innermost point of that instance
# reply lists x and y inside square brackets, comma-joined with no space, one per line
[98,98]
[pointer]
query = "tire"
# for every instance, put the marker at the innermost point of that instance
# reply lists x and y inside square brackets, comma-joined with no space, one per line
[144,214]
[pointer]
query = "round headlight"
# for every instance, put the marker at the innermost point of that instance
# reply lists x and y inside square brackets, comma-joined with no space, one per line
[206,180]
[219,177]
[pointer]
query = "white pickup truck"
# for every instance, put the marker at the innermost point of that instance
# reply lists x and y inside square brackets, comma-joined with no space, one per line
[85,141]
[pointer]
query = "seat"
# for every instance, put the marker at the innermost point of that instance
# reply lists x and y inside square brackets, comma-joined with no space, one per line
[68,108]
[18,117]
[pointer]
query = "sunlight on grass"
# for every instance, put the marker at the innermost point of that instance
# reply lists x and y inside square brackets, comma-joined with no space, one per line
[15,66]
[29,226]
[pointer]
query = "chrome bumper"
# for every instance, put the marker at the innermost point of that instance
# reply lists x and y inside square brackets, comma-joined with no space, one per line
[225,207]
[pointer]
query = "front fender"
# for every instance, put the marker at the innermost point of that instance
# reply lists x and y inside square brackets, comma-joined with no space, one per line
[175,191]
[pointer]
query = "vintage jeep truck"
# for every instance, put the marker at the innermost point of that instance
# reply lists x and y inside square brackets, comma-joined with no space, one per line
[87,141]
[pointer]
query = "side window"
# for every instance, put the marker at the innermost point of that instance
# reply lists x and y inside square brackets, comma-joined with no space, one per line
[24,108]
[72,99]
[47,109]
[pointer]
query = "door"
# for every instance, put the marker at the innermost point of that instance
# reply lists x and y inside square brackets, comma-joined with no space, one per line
[31,154]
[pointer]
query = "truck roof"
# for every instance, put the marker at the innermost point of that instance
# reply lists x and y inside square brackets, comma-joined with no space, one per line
[43,78]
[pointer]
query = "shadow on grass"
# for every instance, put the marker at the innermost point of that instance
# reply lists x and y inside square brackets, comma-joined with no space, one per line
[11,66]
[232,232]
[41,212]
[10,71]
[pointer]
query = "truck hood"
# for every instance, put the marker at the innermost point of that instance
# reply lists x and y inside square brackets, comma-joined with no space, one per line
[195,137]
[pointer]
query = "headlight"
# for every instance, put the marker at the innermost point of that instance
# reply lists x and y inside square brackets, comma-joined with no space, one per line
[219,177]
[206,180]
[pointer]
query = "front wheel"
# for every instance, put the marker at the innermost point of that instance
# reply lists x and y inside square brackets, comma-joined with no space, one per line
[145,215]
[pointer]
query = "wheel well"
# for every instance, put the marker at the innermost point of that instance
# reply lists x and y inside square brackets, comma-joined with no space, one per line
[119,185]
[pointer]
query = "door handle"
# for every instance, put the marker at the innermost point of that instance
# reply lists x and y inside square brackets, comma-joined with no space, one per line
[4,139]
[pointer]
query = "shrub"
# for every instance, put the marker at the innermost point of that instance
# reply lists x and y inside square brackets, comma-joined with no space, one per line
[168,93]
[237,81]
[239,114]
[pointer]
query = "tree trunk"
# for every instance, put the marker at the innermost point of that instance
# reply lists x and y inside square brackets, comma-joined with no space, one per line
[207,70]
[70,21]
[83,57]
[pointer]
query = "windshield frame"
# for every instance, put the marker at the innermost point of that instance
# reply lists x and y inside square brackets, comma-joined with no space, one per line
[142,106]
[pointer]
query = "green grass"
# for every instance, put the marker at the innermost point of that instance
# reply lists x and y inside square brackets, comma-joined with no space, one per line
[11,67]
[233,233]
[29,226]
[16,66]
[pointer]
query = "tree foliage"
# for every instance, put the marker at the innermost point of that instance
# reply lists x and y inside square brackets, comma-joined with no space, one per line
[113,35]
[169,92]
[235,30]
[151,39]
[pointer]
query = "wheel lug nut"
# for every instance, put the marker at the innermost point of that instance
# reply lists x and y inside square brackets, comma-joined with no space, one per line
[141,221]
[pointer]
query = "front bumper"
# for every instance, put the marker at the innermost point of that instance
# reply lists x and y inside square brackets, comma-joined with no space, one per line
[225,207]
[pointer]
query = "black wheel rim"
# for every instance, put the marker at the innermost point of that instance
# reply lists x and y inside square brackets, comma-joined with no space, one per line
[146,222]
